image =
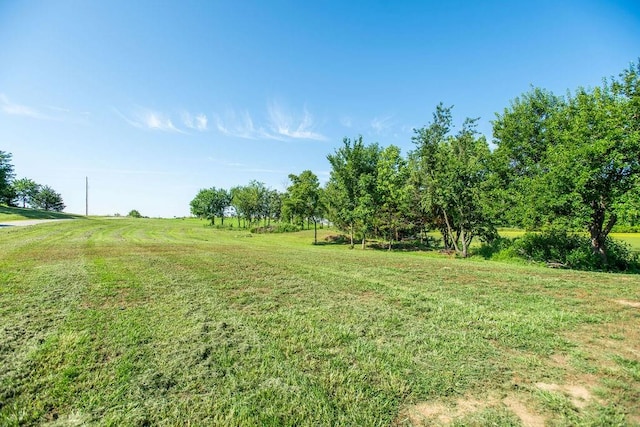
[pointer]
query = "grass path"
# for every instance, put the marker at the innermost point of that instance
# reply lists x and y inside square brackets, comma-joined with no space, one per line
[145,322]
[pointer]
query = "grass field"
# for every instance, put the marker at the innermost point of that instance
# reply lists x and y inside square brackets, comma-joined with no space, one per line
[8,213]
[170,322]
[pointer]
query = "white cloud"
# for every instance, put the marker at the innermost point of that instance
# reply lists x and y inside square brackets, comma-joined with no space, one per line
[239,125]
[381,124]
[199,122]
[281,125]
[8,107]
[287,124]
[145,118]
[346,121]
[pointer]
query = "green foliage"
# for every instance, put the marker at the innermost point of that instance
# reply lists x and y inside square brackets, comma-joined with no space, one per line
[6,177]
[254,202]
[284,227]
[48,199]
[558,248]
[26,190]
[210,203]
[451,173]
[134,214]
[351,196]
[394,191]
[571,162]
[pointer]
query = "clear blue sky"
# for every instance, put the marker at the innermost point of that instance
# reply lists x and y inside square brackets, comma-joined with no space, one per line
[153,100]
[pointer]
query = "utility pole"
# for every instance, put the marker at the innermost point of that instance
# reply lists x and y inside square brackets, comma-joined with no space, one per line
[86,195]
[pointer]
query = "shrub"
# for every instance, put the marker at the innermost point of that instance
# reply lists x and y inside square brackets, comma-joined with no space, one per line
[284,227]
[562,249]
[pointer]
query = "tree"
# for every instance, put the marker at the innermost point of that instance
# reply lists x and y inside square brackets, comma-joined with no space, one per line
[250,201]
[304,199]
[134,214]
[210,203]
[586,160]
[393,189]
[452,180]
[523,133]
[48,199]
[26,190]
[6,177]
[352,187]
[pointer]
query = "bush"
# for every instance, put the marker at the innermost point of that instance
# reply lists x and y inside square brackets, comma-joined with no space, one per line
[626,229]
[559,248]
[284,227]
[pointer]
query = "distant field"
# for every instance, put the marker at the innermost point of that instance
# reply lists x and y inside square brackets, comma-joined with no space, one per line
[170,322]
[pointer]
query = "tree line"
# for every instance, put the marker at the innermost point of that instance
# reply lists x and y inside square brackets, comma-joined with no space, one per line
[25,192]
[558,162]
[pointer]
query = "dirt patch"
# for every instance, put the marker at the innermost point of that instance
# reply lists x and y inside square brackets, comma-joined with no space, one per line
[579,395]
[441,413]
[528,418]
[634,304]
[560,360]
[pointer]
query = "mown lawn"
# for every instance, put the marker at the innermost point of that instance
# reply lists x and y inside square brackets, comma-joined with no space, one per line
[8,213]
[170,322]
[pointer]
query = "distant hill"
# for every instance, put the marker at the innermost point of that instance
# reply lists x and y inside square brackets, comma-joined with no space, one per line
[8,213]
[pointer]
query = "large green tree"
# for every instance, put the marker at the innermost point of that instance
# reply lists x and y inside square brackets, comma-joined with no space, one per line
[6,178]
[210,203]
[452,180]
[393,193]
[48,199]
[26,190]
[250,201]
[523,132]
[582,156]
[352,187]
[304,199]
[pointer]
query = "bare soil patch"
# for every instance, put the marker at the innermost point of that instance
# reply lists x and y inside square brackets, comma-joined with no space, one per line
[634,304]
[441,413]
[579,395]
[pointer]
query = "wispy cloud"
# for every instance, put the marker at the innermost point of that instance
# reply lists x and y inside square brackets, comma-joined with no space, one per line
[281,124]
[382,124]
[198,122]
[145,118]
[346,121]
[238,125]
[8,107]
[291,125]
[45,112]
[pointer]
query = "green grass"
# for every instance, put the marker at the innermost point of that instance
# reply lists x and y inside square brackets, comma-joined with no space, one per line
[8,213]
[147,322]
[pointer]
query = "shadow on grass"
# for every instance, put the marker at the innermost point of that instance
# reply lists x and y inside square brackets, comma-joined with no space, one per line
[401,246]
[35,213]
[404,246]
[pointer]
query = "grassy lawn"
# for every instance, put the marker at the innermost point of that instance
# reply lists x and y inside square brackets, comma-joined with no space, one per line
[170,322]
[8,213]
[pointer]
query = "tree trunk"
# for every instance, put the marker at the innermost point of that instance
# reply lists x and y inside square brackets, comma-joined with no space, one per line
[315,232]
[598,234]
[351,234]
[364,241]
[450,232]
[464,244]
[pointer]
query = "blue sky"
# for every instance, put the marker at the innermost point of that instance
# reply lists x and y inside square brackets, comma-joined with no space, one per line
[153,100]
